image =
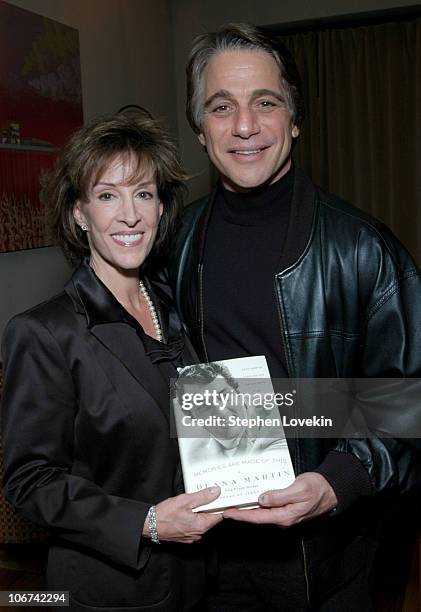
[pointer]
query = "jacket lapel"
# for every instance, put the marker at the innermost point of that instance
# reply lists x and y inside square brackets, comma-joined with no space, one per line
[118,332]
[125,344]
[301,219]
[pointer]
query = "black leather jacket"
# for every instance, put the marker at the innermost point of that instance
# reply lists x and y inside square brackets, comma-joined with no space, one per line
[349,298]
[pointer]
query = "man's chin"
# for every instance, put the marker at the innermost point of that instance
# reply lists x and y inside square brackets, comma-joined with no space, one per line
[243,183]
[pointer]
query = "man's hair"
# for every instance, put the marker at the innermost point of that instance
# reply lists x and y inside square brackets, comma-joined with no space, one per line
[87,155]
[203,374]
[234,37]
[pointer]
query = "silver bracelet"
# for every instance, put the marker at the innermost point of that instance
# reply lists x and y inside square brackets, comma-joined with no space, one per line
[153,531]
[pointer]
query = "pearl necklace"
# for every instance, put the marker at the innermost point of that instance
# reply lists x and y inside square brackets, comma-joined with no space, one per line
[152,311]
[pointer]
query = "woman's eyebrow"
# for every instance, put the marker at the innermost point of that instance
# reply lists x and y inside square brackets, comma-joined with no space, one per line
[141,184]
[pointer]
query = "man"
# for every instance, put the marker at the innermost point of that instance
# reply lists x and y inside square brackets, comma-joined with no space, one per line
[269,264]
[228,429]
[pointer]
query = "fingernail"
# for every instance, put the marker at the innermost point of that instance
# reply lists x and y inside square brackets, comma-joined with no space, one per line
[213,490]
[263,500]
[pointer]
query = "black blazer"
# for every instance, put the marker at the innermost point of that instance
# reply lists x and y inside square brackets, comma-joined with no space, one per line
[86,432]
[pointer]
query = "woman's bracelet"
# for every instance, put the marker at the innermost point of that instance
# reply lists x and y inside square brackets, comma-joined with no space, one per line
[153,530]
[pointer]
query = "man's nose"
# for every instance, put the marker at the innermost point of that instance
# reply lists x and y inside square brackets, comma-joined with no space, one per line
[246,123]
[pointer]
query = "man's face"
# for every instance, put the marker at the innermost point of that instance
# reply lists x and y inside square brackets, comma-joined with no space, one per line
[247,127]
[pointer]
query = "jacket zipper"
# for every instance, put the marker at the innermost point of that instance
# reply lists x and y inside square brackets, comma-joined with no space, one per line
[287,361]
[296,445]
[201,313]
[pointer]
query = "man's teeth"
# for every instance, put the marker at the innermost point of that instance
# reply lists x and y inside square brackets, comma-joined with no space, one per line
[127,237]
[250,152]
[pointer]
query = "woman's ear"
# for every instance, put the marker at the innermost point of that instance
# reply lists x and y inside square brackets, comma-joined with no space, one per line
[79,216]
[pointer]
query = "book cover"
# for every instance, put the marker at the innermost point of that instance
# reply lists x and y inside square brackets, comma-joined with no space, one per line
[230,432]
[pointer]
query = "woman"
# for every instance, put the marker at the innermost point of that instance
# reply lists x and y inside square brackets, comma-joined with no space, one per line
[88,451]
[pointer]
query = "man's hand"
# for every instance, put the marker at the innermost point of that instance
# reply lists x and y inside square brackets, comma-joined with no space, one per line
[310,495]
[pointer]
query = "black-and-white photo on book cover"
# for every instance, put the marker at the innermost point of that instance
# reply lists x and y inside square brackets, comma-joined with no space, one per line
[230,432]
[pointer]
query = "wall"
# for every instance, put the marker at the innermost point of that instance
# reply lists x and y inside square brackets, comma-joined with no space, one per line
[134,51]
[28,277]
[126,58]
[191,18]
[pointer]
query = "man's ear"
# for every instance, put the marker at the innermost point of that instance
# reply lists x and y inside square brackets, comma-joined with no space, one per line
[295,131]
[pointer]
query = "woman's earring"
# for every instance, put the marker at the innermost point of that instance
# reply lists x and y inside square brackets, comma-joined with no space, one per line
[84,227]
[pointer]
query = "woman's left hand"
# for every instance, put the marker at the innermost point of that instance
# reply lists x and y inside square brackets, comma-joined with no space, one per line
[176,521]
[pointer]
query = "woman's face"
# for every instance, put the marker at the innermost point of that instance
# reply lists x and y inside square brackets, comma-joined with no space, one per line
[122,218]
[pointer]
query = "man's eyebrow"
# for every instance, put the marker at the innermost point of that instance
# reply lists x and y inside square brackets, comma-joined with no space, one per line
[222,93]
[226,95]
[269,92]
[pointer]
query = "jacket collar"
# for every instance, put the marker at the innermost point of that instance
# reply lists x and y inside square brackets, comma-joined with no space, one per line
[93,299]
[116,330]
[301,219]
[300,227]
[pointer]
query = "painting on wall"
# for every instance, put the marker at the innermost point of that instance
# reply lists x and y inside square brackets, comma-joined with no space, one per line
[40,106]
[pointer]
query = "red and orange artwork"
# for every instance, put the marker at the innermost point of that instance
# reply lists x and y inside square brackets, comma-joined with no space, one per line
[40,106]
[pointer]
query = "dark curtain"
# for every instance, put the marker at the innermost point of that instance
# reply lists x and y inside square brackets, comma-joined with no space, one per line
[361,138]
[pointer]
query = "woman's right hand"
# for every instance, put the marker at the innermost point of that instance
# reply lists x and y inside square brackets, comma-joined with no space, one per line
[176,521]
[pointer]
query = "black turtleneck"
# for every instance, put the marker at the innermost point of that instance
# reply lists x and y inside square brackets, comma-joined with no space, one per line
[244,242]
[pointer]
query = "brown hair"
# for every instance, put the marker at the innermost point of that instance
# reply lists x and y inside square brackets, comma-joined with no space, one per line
[235,36]
[203,374]
[86,156]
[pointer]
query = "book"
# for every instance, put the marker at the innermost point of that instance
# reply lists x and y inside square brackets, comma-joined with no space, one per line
[230,432]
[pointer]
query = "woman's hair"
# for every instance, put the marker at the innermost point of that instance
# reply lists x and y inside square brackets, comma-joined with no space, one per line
[87,155]
[234,37]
